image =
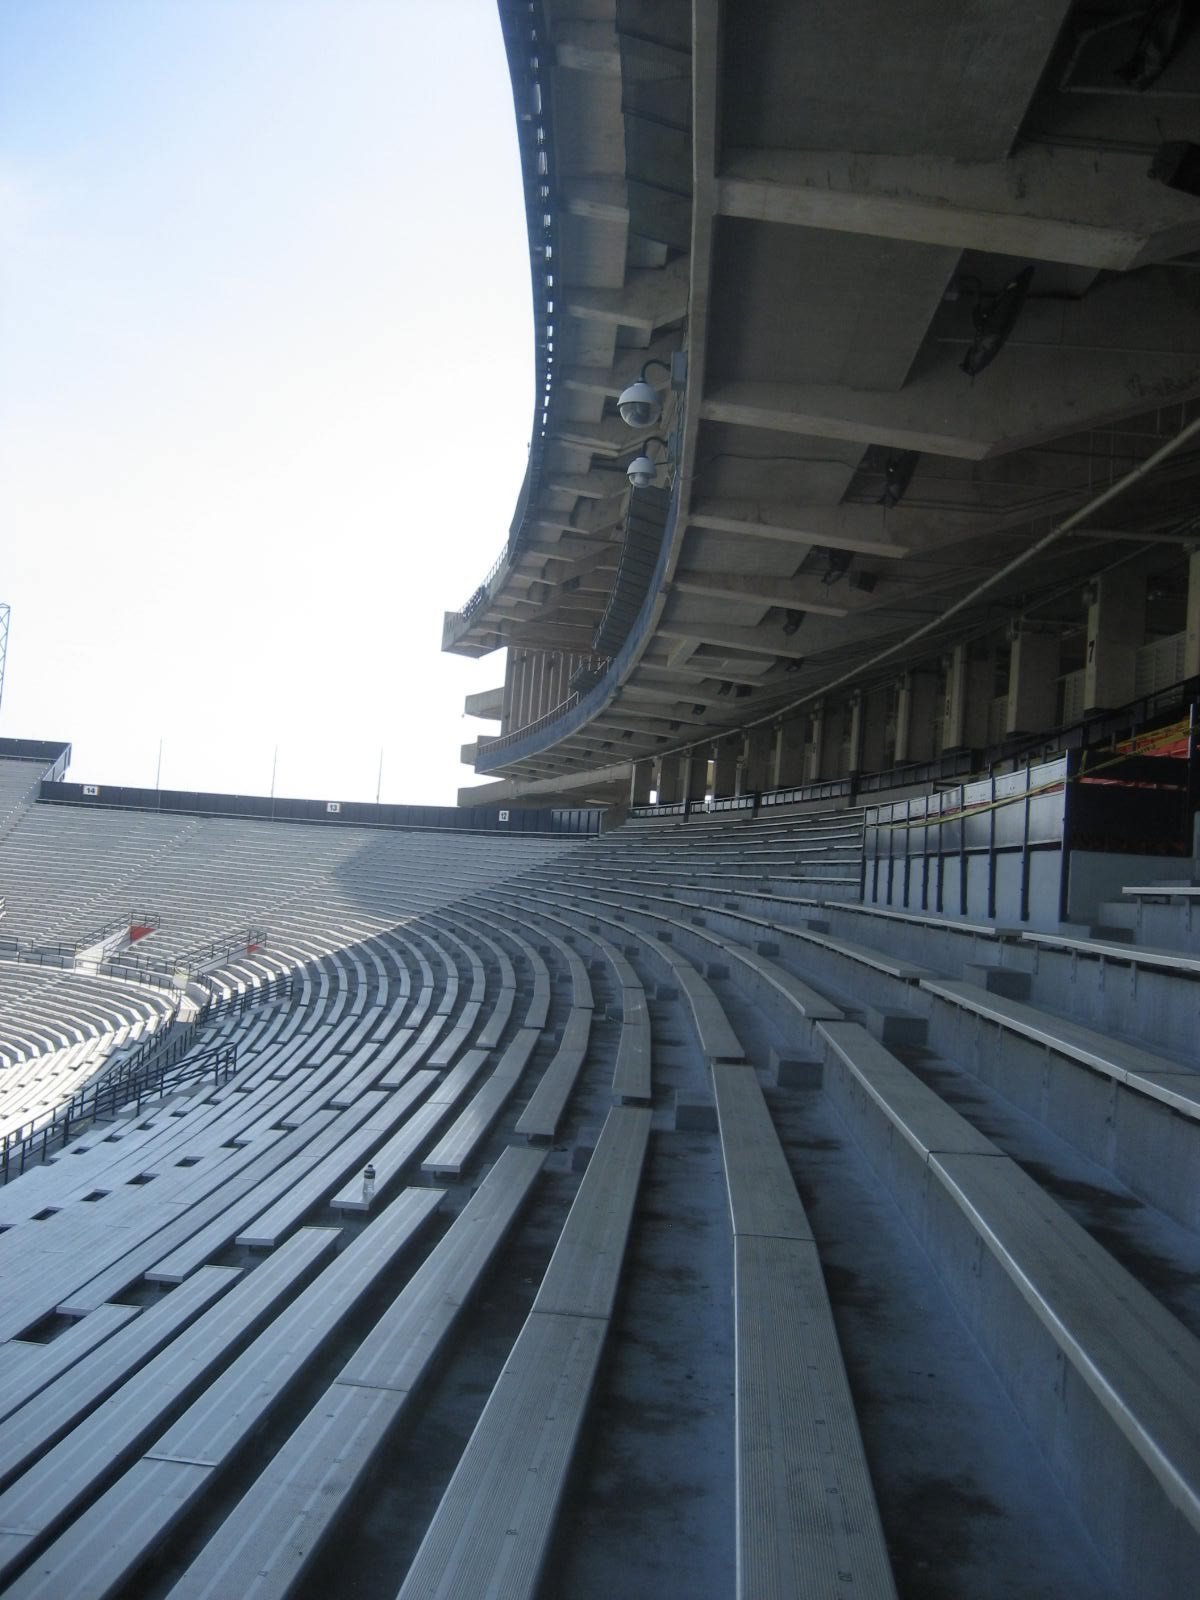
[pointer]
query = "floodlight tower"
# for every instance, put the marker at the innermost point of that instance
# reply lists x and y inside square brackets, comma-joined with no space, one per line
[5,613]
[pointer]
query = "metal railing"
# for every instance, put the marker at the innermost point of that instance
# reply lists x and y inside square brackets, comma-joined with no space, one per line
[126,1086]
[49,954]
[189,962]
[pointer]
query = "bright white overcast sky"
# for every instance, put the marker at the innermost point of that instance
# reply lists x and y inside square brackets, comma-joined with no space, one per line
[266,380]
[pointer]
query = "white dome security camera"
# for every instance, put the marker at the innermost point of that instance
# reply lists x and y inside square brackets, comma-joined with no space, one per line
[641,472]
[640,405]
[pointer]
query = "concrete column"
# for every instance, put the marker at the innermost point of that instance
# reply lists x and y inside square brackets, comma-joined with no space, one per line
[967,697]
[853,738]
[1032,683]
[789,752]
[916,711]
[641,781]
[725,766]
[670,780]
[816,741]
[1116,631]
[696,781]
[755,775]
[1191,646]
[507,714]
[837,743]
[873,718]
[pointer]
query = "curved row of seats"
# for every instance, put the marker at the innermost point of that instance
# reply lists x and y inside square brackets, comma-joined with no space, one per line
[492,1101]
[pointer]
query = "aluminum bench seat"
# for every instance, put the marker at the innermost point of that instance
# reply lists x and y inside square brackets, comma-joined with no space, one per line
[547,1103]
[99,1552]
[392,1157]
[807,1521]
[46,1416]
[265,1543]
[458,1144]
[1053,1311]
[361,1130]
[584,1271]
[492,1530]
[1136,955]
[38,1365]
[1127,1064]
[322,1134]
[74,1469]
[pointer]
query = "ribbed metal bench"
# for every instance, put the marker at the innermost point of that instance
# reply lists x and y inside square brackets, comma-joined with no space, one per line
[807,1521]
[74,1469]
[97,1554]
[1056,1315]
[493,1526]
[272,1534]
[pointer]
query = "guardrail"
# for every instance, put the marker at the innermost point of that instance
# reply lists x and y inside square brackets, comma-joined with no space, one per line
[47,954]
[104,1099]
[189,962]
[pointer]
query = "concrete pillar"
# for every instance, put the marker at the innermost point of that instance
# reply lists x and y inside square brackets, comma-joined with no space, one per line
[1116,631]
[1032,683]
[696,781]
[1191,644]
[790,739]
[916,711]
[641,781]
[816,742]
[852,738]
[755,774]
[873,727]
[837,746]
[725,767]
[670,780]
[507,721]
[967,697]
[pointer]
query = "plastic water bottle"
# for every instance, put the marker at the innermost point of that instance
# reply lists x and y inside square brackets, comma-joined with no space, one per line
[368,1184]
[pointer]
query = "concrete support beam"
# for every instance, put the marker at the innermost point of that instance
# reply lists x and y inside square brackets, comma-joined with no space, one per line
[1116,631]
[764,641]
[754,771]
[1032,683]
[651,298]
[1032,394]
[967,697]
[641,782]
[917,710]
[725,767]
[864,529]
[487,704]
[799,594]
[1091,207]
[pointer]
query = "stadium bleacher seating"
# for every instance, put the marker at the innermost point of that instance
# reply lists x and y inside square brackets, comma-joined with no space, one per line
[845,1242]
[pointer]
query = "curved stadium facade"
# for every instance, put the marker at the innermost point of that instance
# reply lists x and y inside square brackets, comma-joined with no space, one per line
[751,1146]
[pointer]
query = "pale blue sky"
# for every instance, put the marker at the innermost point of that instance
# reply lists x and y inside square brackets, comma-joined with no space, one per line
[265,382]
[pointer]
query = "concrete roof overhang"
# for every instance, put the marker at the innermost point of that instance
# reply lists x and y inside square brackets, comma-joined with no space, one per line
[858,182]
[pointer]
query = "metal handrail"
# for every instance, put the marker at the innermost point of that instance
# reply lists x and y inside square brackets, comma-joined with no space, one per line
[107,1096]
